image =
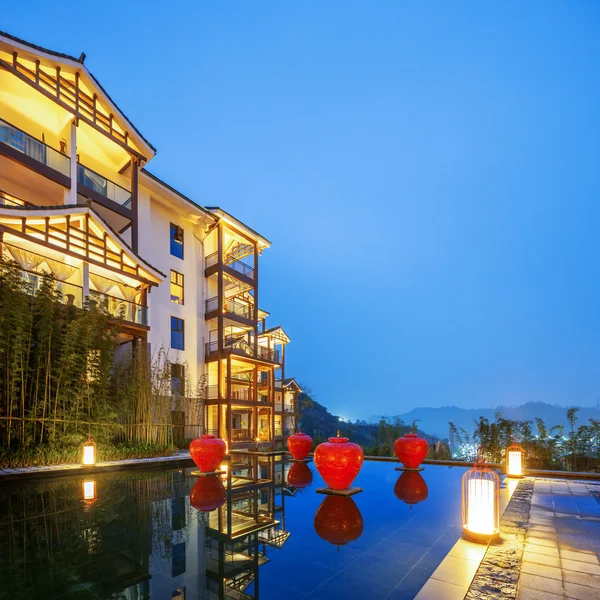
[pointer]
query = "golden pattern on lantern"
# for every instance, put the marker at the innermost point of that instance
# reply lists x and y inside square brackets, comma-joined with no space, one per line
[480,503]
[89,452]
[514,461]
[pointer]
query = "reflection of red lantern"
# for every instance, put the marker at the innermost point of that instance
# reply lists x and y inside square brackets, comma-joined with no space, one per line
[338,520]
[207,452]
[411,450]
[300,444]
[299,475]
[208,493]
[411,488]
[338,461]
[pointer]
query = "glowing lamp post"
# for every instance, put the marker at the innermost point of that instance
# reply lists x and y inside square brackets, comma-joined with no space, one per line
[514,461]
[89,452]
[480,503]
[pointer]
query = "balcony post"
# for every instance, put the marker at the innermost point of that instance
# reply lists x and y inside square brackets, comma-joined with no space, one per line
[220,287]
[85,283]
[228,388]
[255,316]
[71,195]
[134,203]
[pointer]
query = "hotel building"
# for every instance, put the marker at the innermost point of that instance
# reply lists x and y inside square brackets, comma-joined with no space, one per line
[77,201]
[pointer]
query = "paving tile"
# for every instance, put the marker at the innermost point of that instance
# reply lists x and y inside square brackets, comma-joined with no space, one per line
[581,592]
[529,594]
[589,557]
[549,543]
[458,571]
[580,566]
[541,570]
[586,579]
[543,584]
[541,559]
[440,590]
[468,550]
[541,549]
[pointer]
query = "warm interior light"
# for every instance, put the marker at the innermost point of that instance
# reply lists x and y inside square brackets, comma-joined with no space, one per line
[514,461]
[481,500]
[480,513]
[89,491]
[89,452]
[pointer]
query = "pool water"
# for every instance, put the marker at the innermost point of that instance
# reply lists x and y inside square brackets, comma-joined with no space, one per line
[143,534]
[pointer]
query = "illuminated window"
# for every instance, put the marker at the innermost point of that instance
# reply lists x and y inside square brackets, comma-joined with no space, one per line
[176,241]
[176,287]
[177,334]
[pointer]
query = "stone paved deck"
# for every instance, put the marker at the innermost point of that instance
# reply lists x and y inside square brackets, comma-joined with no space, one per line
[562,543]
[180,458]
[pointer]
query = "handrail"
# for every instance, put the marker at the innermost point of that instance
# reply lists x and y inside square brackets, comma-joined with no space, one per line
[7,199]
[71,293]
[231,306]
[30,146]
[102,185]
[121,308]
[236,265]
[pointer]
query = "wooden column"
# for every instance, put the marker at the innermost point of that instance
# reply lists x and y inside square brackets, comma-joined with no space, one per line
[220,292]
[228,423]
[134,204]
[272,386]
[219,396]
[71,195]
[255,298]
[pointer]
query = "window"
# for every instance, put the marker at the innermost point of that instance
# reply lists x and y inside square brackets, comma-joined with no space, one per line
[176,287]
[177,334]
[177,379]
[178,559]
[176,241]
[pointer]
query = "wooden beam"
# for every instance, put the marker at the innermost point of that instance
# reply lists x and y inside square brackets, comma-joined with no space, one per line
[31,81]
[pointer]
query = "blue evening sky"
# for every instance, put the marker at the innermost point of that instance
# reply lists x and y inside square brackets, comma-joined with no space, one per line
[428,173]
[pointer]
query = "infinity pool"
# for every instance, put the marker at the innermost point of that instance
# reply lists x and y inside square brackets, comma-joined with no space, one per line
[138,535]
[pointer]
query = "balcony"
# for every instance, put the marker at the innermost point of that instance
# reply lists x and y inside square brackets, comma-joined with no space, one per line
[90,183]
[239,309]
[120,308]
[244,395]
[10,200]
[240,347]
[68,293]
[33,153]
[236,267]
[241,435]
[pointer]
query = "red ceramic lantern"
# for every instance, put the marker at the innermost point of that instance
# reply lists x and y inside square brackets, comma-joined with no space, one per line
[208,493]
[299,445]
[207,452]
[411,450]
[338,520]
[338,461]
[411,488]
[299,475]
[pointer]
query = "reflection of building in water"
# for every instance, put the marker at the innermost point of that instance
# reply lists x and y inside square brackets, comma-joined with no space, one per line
[141,539]
[217,555]
[240,533]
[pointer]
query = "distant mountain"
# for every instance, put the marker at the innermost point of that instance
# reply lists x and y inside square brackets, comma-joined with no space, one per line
[435,420]
[319,423]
